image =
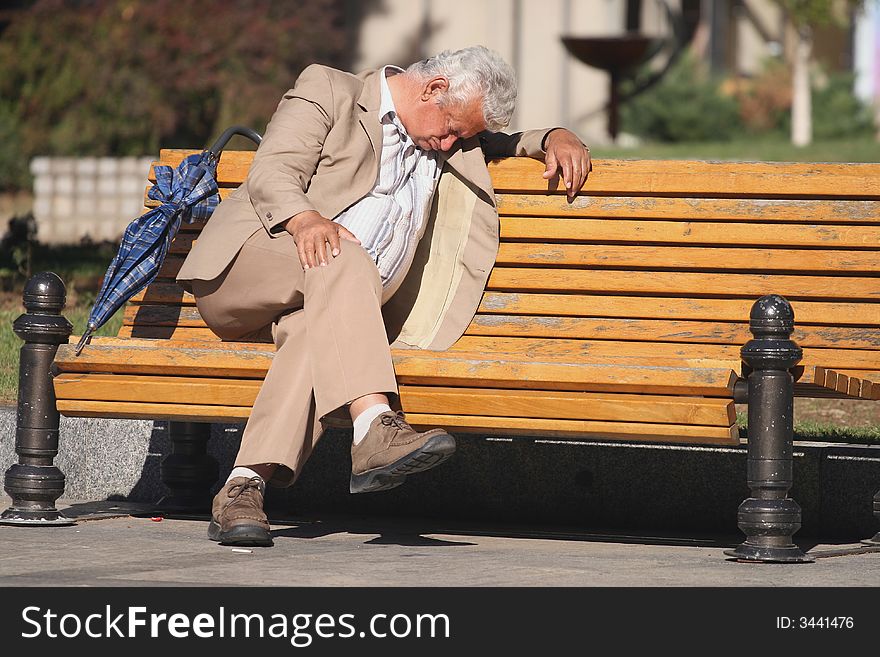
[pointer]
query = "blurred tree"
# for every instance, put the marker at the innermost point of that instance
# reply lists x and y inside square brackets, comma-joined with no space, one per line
[685,105]
[126,77]
[804,16]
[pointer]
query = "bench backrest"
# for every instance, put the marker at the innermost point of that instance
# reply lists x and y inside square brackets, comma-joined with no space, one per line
[654,258]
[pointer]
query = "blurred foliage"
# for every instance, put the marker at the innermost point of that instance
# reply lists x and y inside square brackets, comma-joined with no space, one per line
[765,103]
[126,77]
[685,105]
[765,99]
[688,105]
[820,12]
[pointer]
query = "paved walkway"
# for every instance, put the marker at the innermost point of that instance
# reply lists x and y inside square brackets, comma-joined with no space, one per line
[118,544]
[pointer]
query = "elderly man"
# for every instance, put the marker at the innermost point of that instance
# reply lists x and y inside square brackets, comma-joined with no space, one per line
[367,217]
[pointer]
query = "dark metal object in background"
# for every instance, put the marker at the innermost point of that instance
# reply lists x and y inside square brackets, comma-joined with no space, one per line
[770,518]
[35,482]
[188,471]
[876,538]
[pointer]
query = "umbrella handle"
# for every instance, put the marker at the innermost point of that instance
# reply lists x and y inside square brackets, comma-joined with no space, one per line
[223,139]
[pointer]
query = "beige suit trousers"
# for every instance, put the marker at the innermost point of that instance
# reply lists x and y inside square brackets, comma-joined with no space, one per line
[330,339]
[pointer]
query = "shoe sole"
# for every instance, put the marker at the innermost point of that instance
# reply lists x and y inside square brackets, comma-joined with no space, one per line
[435,451]
[250,535]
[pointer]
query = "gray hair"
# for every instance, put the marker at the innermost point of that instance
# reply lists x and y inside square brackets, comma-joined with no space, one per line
[474,72]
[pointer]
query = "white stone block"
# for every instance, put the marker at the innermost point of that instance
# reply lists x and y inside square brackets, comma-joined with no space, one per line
[110,231]
[106,186]
[62,206]
[86,186]
[131,208]
[86,166]
[65,184]
[66,232]
[40,166]
[62,165]
[43,208]
[108,167]
[43,185]
[131,186]
[84,206]
[107,206]
[132,165]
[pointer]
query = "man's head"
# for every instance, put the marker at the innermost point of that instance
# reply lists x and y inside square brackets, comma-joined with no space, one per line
[456,95]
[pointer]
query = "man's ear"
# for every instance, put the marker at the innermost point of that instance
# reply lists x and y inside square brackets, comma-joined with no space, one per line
[437,85]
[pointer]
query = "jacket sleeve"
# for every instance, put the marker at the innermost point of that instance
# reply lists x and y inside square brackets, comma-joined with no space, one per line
[528,143]
[288,155]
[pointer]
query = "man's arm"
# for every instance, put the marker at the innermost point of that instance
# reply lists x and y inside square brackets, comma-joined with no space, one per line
[288,154]
[562,152]
[285,163]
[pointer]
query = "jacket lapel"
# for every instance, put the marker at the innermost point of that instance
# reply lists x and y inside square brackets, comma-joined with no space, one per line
[368,102]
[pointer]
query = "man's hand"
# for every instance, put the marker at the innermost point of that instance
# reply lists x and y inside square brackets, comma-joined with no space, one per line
[311,232]
[565,151]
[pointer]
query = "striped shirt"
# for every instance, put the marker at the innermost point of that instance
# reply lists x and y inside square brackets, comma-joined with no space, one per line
[390,220]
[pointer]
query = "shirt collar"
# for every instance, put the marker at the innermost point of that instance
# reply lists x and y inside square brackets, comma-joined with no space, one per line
[386,104]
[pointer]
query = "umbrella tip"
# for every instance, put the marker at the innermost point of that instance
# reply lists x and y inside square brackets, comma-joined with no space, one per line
[84,340]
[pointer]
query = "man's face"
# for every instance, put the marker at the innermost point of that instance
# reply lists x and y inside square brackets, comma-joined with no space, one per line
[436,128]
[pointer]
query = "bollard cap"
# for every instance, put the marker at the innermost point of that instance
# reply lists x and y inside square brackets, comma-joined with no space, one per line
[44,292]
[772,314]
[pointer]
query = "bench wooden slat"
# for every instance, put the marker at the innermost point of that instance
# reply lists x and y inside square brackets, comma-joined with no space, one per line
[644,177]
[576,351]
[171,333]
[551,229]
[482,424]
[420,399]
[757,210]
[513,349]
[639,256]
[864,384]
[148,317]
[656,257]
[599,375]
[602,374]
[726,310]
[151,411]
[683,283]
[568,405]
[687,434]
[699,178]
[661,331]
[692,209]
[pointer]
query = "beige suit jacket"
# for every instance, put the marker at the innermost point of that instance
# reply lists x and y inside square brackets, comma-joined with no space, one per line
[321,152]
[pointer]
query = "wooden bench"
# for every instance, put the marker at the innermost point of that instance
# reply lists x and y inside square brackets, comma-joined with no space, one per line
[619,316]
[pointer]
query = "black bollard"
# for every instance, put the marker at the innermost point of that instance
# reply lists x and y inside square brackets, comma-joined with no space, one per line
[770,518]
[189,471]
[35,482]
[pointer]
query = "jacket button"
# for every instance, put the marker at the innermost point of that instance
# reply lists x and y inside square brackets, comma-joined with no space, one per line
[268,215]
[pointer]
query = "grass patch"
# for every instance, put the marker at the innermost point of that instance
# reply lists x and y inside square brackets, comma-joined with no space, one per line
[816,431]
[764,149]
[10,344]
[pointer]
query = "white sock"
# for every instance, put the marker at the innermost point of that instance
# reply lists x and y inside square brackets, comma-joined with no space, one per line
[362,422]
[241,471]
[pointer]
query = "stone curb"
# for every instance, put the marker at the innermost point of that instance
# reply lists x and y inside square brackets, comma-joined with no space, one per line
[530,480]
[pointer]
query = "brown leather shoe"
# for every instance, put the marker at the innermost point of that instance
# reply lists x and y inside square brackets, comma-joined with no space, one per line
[392,449]
[237,516]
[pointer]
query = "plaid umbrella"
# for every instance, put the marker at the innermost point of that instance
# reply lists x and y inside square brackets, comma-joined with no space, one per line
[188,193]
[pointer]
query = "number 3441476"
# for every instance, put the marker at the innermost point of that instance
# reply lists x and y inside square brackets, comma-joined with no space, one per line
[814,622]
